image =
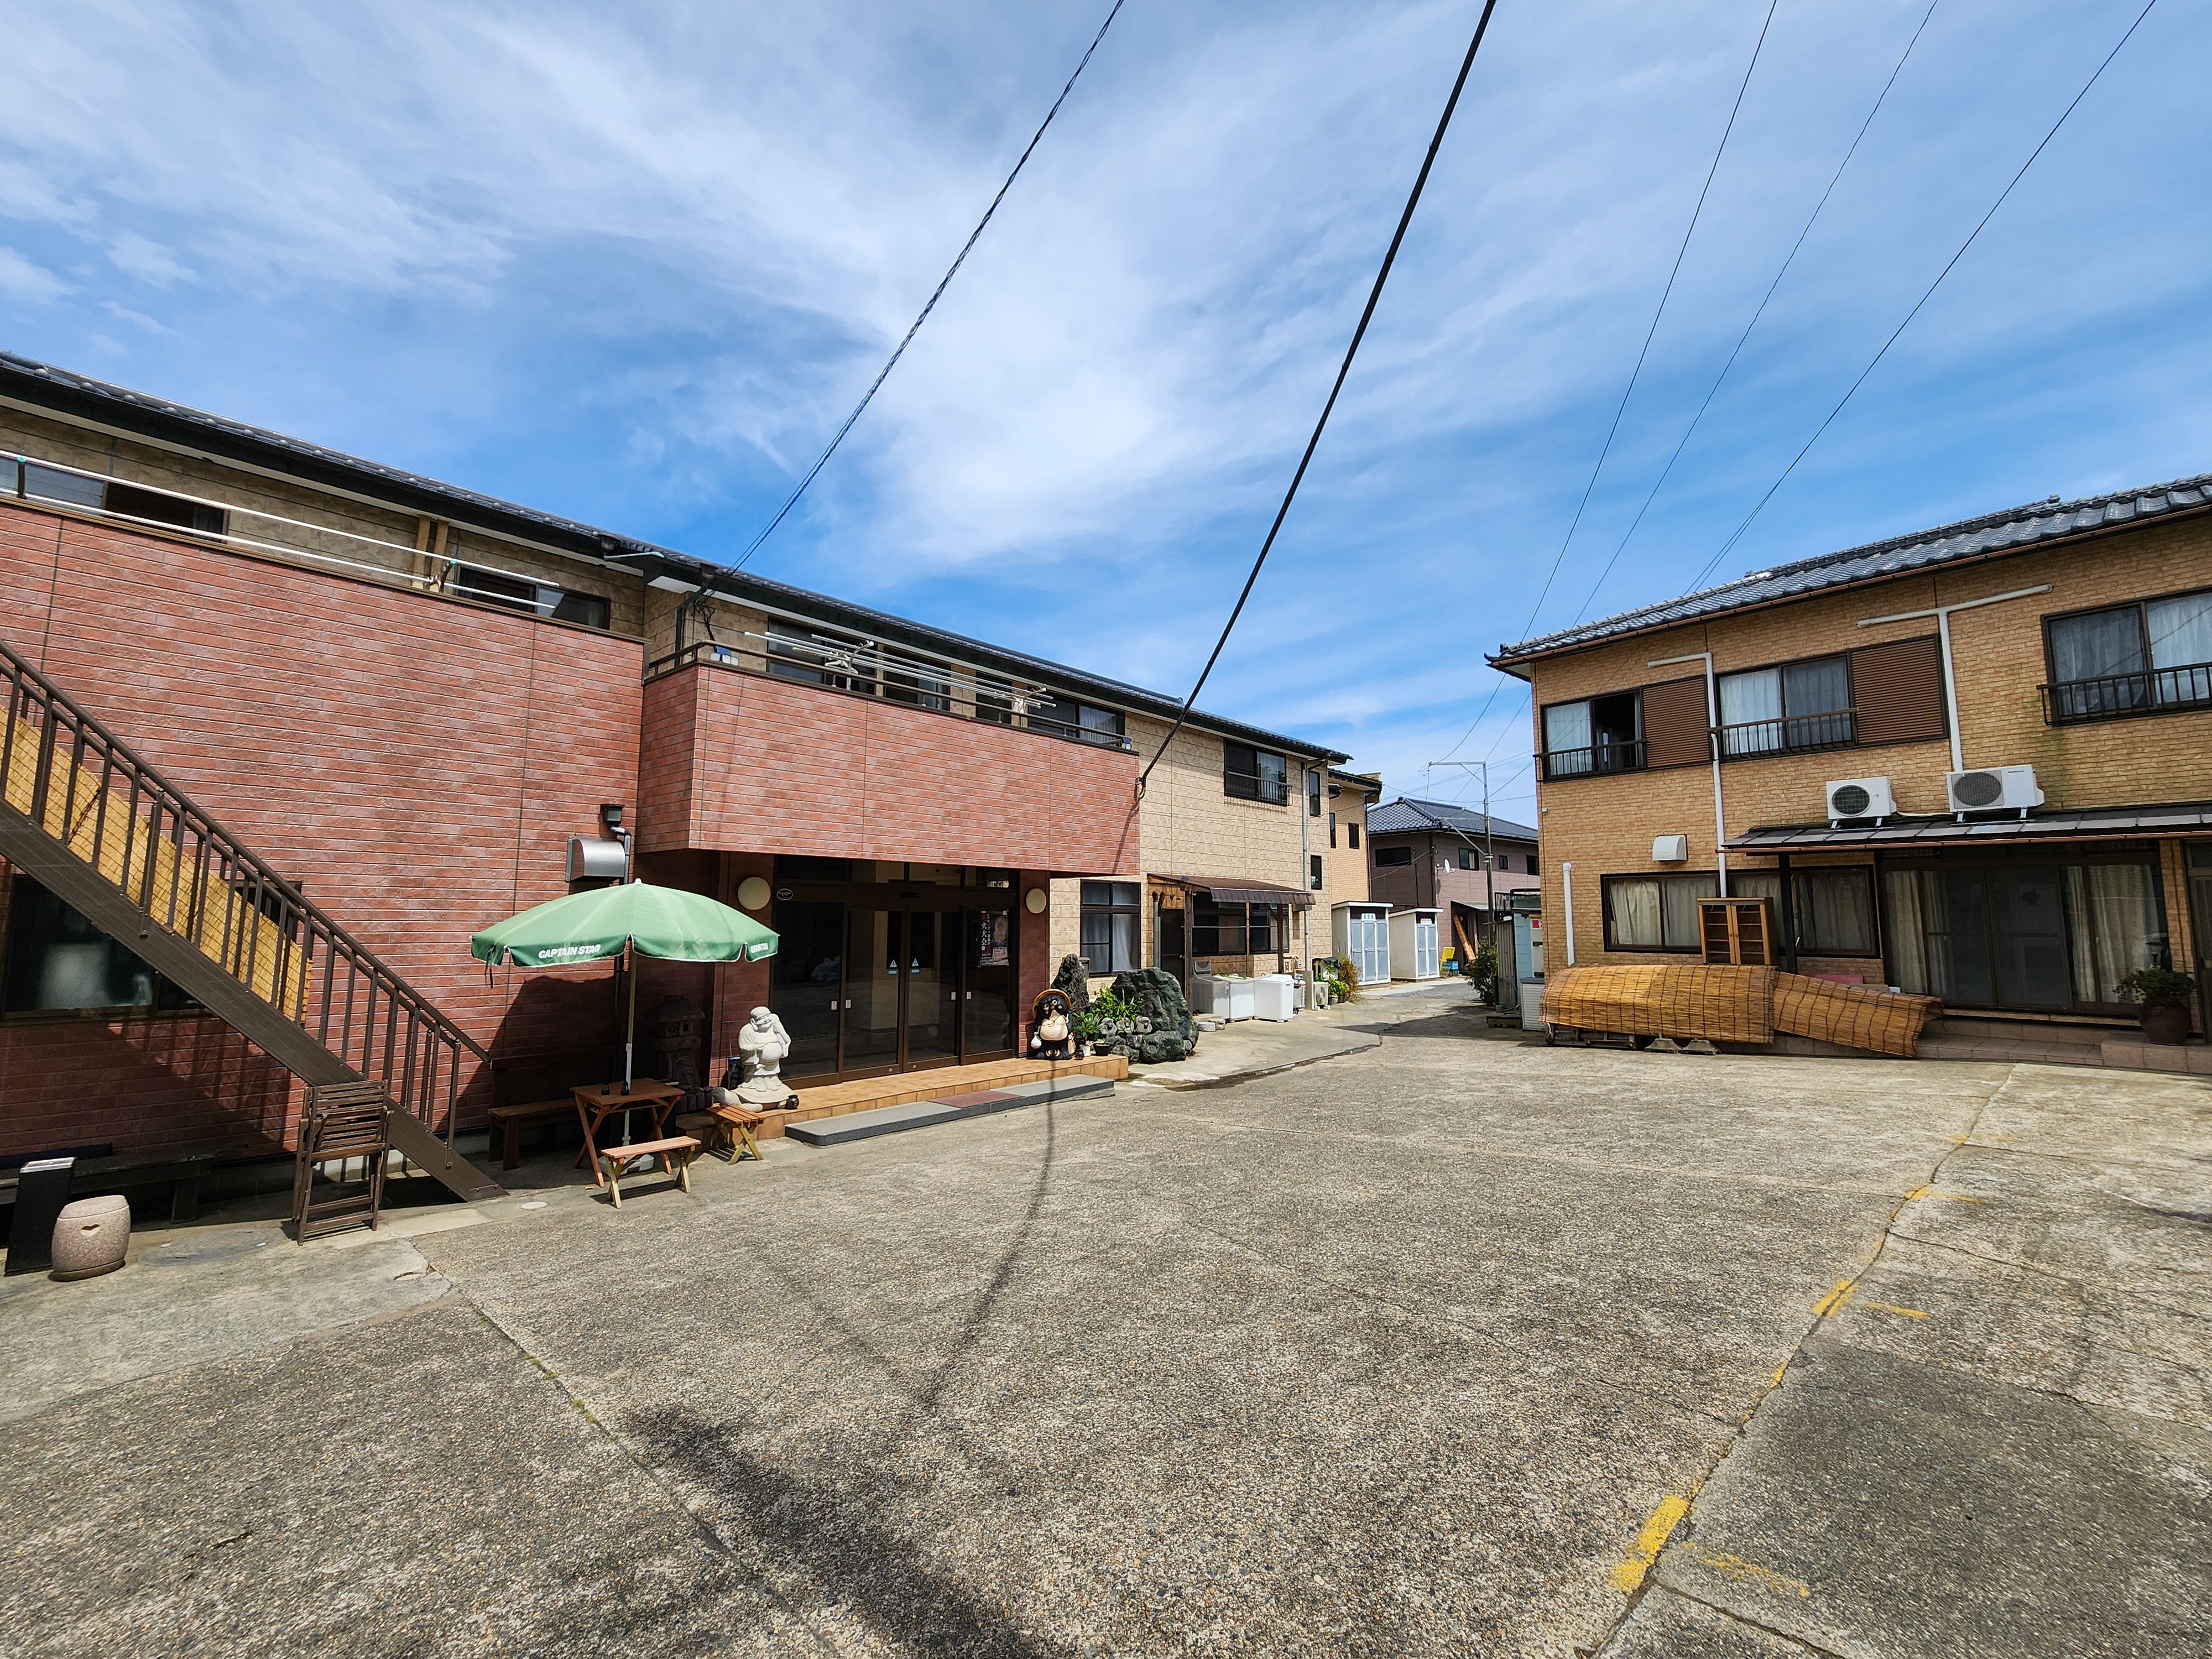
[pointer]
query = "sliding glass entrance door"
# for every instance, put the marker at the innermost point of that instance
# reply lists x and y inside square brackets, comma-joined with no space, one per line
[870,981]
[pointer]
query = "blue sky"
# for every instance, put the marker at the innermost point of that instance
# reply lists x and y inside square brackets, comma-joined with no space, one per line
[633,264]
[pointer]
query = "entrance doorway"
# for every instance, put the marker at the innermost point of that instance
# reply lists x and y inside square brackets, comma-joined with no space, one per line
[875,977]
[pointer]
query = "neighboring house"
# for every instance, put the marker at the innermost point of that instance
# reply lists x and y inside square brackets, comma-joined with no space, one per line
[1232,847]
[1432,854]
[406,697]
[2073,638]
[1350,796]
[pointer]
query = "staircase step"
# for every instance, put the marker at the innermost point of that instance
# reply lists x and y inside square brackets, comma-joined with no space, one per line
[922,1114]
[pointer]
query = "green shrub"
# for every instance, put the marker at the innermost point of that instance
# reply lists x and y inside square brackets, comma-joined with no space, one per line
[2161,988]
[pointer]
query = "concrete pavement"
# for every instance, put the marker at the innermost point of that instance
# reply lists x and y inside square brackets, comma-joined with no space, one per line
[1453,1347]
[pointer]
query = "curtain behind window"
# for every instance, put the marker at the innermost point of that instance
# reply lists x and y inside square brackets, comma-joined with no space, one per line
[1567,738]
[1745,698]
[1678,897]
[1632,907]
[2180,630]
[1910,897]
[2101,643]
[2119,923]
[1835,911]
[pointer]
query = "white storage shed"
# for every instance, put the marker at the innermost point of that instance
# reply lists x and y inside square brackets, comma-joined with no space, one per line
[1413,944]
[1360,934]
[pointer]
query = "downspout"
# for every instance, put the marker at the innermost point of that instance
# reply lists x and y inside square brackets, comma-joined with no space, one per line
[1567,892]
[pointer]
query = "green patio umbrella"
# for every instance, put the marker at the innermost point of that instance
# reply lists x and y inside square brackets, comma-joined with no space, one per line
[658,921]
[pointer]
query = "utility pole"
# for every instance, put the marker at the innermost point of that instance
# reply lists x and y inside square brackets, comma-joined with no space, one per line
[1489,854]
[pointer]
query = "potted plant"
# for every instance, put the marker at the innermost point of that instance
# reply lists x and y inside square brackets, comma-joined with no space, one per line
[2166,994]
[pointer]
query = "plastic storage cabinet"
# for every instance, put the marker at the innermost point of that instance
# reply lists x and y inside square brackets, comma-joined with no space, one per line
[1361,935]
[1272,996]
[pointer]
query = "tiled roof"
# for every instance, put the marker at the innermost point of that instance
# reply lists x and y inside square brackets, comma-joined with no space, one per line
[1405,814]
[2184,818]
[2016,530]
[41,386]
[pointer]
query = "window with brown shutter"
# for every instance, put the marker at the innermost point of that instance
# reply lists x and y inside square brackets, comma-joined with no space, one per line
[1675,724]
[1899,688]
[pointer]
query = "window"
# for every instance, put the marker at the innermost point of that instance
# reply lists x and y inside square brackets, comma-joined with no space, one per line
[1655,913]
[923,687]
[1352,830]
[1085,722]
[1797,706]
[1332,830]
[151,504]
[1231,930]
[1391,858]
[1251,774]
[1471,859]
[1110,925]
[538,599]
[1602,734]
[1832,909]
[1313,862]
[1532,866]
[49,483]
[2021,934]
[1313,793]
[58,963]
[995,704]
[2131,659]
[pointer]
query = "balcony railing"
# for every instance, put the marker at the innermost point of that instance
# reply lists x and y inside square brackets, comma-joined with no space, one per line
[2117,696]
[1793,734]
[1599,757]
[860,668]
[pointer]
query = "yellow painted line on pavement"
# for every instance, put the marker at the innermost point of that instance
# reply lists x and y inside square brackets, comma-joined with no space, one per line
[1891,1307]
[1836,1298]
[1931,1192]
[1649,1542]
[1750,1572]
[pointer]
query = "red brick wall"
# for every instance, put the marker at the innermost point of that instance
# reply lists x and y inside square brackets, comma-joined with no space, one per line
[732,760]
[417,763]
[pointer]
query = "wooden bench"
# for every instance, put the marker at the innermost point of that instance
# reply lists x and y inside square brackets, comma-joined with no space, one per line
[95,1176]
[725,1128]
[507,1122]
[677,1149]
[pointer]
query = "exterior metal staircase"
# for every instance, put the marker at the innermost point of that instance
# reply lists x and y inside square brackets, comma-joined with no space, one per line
[109,835]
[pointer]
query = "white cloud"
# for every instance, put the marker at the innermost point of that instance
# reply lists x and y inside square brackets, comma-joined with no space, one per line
[148,261]
[21,280]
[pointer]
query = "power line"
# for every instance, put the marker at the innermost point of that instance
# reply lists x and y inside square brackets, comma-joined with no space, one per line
[1738,533]
[1344,369]
[1634,374]
[1763,303]
[823,459]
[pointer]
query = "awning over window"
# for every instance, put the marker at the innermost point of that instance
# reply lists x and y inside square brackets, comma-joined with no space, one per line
[1223,891]
[2137,822]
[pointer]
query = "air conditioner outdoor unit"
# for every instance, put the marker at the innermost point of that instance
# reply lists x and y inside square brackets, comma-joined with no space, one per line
[1860,798]
[1993,788]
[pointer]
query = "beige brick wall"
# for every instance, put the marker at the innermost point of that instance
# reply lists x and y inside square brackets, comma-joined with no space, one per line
[312,513]
[1188,826]
[1347,867]
[1604,825]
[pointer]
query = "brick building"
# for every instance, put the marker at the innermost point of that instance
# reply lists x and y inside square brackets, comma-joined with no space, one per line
[1430,854]
[392,701]
[1834,735]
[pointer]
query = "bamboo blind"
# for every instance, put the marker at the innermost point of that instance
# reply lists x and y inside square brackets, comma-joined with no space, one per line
[1722,1004]
[1851,1015]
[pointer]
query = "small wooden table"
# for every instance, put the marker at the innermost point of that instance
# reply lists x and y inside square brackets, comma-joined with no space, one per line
[594,1109]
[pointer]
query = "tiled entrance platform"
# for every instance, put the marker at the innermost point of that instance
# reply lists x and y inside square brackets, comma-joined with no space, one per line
[838,1099]
[2056,1043]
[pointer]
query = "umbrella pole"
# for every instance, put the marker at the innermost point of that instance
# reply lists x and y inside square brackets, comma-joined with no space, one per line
[629,1033]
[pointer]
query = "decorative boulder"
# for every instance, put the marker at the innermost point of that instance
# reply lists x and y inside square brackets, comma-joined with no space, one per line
[1158,1001]
[1074,979]
[91,1236]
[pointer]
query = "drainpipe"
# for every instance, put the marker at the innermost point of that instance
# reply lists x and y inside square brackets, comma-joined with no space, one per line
[1567,892]
[1712,743]
[1942,615]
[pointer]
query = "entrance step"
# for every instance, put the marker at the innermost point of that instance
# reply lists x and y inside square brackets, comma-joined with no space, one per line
[2018,1053]
[899,1088]
[922,1114]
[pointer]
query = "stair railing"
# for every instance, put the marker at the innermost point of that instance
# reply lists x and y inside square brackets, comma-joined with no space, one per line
[182,870]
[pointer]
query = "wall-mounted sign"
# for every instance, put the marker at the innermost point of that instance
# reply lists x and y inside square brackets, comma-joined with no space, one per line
[783,892]
[1034,900]
[752,893]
